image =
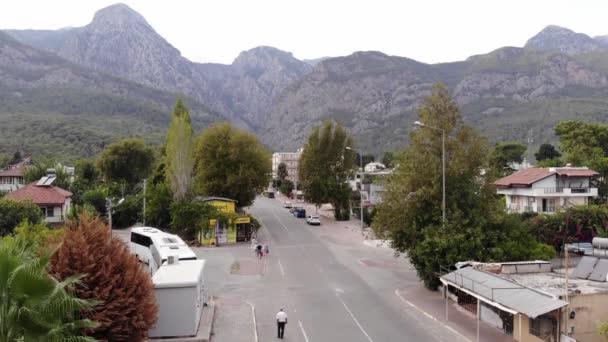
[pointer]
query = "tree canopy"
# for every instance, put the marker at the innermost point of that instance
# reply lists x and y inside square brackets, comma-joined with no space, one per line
[546,152]
[179,162]
[325,167]
[504,154]
[388,159]
[231,163]
[410,215]
[12,213]
[128,160]
[282,171]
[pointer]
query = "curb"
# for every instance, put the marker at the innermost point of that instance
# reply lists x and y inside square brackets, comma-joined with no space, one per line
[431,316]
[255,324]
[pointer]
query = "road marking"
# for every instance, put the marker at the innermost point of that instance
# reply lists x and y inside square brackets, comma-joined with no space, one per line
[354,318]
[281,222]
[255,324]
[281,267]
[303,331]
[430,316]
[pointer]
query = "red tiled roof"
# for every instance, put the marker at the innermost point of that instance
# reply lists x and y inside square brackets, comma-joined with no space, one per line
[534,174]
[40,194]
[12,172]
[576,172]
[525,177]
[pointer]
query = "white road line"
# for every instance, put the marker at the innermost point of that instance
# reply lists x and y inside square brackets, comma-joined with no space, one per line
[354,319]
[430,316]
[281,222]
[255,323]
[303,331]
[281,267]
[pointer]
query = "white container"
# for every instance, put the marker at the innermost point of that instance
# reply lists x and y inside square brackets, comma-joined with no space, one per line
[180,294]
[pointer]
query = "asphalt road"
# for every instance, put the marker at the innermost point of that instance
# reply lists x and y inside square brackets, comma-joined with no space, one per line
[328,293]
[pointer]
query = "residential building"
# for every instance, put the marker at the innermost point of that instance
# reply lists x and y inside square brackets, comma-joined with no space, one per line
[374,166]
[53,201]
[11,179]
[547,190]
[527,300]
[291,160]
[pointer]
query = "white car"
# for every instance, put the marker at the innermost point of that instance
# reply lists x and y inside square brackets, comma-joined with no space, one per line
[287,204]
[313,220]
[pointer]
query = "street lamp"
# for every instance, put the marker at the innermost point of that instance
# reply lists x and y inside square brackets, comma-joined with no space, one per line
[110,206]
[360,185]
[418,123]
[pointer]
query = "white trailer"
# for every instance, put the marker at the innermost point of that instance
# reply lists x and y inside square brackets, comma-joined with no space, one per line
[181,294]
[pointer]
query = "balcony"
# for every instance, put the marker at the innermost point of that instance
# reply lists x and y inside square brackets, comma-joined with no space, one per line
[518,209]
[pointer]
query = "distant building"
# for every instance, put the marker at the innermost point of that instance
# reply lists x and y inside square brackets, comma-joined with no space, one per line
[374,166]
[11,179]
[53,201]
[291,160]
[546,190]
[231,228]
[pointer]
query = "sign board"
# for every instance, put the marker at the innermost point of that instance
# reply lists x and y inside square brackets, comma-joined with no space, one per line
[241,220]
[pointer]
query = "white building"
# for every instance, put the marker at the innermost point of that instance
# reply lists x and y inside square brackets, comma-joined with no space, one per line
[374,166]
[11,179]
[291,160]
[53,201]
[547,190]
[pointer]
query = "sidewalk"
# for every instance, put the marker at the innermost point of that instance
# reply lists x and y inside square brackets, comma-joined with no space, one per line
[234,321]
[432,303]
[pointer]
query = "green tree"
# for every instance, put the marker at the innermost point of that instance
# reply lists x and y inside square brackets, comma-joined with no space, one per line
[179,160]
[112,276]
[4,160]
[282,171]
[410,214]
[286,187]
[39,237]
[504,154]
[97,199]
[12,213]
[388,159]
[86,171]
[586,144]
[231,163]
[128,160]
[33,305]
[158,206]
[545,152]
[325,167]
[190,218]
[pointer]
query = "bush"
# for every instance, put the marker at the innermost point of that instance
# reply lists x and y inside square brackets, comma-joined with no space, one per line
[159,199]
[12,213]
[39,237]
[97,199]
[189,218]
[128,212]
[112,275]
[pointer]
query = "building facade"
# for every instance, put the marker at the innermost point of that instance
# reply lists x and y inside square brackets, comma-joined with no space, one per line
[53,201]
[291,160]
[547,190]
[11,179]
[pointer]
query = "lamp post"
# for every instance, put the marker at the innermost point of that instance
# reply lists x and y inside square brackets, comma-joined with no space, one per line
[360,185]
[418,123]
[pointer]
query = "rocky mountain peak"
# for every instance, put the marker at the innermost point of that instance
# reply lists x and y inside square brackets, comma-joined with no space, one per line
[269,57]
[563,40]
[118,15]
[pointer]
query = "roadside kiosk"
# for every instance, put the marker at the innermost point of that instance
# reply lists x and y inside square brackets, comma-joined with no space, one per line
[231,229]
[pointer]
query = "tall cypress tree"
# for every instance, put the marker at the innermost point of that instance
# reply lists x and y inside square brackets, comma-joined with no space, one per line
[179,160]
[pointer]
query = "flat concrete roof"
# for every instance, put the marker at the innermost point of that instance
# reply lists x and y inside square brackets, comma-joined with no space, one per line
[554,282]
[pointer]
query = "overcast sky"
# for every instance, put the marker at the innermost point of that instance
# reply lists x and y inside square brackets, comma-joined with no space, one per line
[426,30]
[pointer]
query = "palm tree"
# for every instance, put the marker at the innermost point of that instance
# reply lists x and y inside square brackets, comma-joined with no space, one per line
[33,305]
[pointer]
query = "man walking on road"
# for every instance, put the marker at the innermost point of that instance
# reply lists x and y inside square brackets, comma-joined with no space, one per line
[281,321]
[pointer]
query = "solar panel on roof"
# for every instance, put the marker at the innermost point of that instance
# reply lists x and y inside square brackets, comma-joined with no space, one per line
[42,180]
[585,267]
[600,271]
[49,181]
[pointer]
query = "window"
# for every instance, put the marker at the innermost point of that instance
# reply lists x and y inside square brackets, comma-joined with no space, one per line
[141,239]
[50,212]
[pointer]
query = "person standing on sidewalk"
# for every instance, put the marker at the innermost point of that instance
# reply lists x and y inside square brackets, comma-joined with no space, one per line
[281,322]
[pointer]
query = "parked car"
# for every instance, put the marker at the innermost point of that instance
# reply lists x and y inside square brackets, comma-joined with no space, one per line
[287,204]
[270,194]
[313,220]
[299,213]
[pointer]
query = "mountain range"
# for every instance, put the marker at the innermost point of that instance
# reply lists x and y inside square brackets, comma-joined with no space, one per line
[72,91]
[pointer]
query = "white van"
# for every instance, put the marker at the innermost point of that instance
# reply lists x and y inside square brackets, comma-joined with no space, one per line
[153,247]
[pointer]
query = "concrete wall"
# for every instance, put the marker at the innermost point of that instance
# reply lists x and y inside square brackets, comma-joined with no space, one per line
[590,311]
[525,330]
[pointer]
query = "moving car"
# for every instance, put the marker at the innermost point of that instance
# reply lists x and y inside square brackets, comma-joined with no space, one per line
[299,212]
[270,194]
[313,220]
[287,204]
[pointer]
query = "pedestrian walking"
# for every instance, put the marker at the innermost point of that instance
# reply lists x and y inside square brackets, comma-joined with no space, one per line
[258,250]
[266,249]
[281,322]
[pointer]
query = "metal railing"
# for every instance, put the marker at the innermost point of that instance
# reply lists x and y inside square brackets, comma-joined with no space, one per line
[554,190]
[580,190]
[475,286]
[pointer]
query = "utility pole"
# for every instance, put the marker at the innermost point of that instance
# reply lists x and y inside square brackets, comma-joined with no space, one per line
[144,213]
